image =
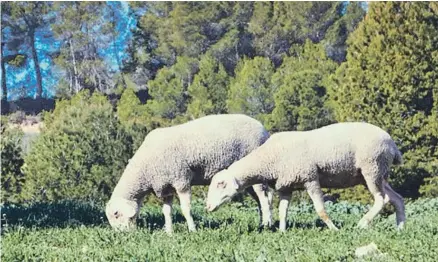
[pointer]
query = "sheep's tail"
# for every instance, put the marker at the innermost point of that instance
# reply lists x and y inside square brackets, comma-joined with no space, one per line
[398,159]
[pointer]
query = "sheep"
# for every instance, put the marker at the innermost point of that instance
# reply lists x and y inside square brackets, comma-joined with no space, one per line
[335,156]
[172,159]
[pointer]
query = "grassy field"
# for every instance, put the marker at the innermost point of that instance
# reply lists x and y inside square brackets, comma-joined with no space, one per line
[79,232]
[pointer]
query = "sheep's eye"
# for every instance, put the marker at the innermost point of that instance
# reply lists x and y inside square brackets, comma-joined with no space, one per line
[116,214]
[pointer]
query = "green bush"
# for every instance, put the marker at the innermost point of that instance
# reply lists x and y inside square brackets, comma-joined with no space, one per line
[80,153]
[430,187]
[11,162]
[134,116]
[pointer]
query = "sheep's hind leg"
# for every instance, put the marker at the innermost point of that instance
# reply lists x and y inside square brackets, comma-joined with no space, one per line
[374,184]
[397,201]
[282,209]
[167,211]
[185,200]
[314,190]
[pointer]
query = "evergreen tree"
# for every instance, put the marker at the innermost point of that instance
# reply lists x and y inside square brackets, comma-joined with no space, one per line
[169,91]
[390,80]
[209,89]
[335,40]
[250,91]
[301,83]
[276,26]
[84,30]
[24,19]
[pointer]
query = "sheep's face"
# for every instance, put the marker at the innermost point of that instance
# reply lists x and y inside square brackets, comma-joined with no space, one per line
[122,213]
[222,188]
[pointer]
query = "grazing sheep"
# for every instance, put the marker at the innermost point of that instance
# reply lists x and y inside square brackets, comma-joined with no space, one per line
[173,159]
[335,156]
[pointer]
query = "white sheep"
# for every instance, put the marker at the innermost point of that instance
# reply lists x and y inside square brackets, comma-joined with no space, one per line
[335,156]
[173,159]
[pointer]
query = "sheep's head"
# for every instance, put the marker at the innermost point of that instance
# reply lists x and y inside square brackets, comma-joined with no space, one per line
[122,213]
[222,188]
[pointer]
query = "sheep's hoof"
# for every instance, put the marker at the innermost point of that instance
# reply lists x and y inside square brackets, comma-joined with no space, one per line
[400,226]
[334,228]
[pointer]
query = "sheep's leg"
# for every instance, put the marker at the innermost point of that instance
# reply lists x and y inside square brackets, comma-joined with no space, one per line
[374,184]
[398,202]
[282,209]
[167,211]
[252,193]
[314,190]
[185,201]
[264,201]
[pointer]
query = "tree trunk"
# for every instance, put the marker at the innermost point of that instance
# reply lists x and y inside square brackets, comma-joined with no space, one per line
[39,92]
[4,89]
[75,70]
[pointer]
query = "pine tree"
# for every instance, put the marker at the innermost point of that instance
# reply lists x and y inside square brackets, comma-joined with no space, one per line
[336,37]
[24,19]
[250,90]
[169,91]
[209,89]
[390,79]
[301,83]
[84,31]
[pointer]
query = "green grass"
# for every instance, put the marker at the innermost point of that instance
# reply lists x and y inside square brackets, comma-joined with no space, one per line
[71,231]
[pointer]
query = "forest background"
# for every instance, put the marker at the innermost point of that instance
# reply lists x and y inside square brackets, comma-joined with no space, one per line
[98,76]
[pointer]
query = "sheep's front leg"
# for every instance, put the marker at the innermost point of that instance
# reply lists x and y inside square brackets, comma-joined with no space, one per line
[263,197]
[185,200]
[314,190]
[282,209]
[167,211]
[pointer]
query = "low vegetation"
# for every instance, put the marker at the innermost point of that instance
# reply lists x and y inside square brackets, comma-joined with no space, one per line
[70,231]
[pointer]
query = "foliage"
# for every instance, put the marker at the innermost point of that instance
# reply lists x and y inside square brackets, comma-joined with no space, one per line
[430,187]
[12,178]
[169,91]
[301,90]
[80,153]
[85,29]
[134,117]
[209,89]
[72,232]
[250,90]
[390,79]
[276,26]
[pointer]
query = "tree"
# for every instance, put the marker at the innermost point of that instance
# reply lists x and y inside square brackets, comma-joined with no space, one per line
[80,153]
[134,117]
[250,91]
[301,83]
[11,162]
[335,40]
[169,91]
[276,26]
[24,19]
[185,28]
[208,92]
[84,30]
[390,80]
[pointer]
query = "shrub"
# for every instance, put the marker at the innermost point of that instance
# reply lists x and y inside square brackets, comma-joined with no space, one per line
[80,153]
[133,116]
[11,162]
[430,187]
